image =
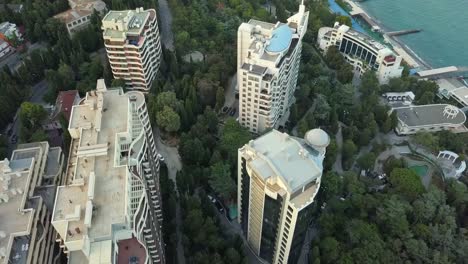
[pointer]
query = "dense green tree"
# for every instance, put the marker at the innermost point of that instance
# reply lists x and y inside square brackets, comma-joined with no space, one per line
[221,181]
[366,161]
[168,119]
[406,182]
[233,136]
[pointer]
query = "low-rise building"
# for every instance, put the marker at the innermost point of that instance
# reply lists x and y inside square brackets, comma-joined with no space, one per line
[454,88]
[361,51]
[64,103]
[9,32]
[109,210]
[429,118]
[79,16]
[28,183]
[278,179]
[5,48]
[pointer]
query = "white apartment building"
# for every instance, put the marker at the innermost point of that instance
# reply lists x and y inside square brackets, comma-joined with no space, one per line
[361,51]
[429,118]
[5,48]
[109,210]
[278,179]
[79,16]
[28,182]
[268,58]
[133,45]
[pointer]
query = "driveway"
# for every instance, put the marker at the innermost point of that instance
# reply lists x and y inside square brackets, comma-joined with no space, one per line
[165,17]
[173,163]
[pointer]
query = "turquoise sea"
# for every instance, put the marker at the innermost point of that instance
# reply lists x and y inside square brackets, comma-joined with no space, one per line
[444,39]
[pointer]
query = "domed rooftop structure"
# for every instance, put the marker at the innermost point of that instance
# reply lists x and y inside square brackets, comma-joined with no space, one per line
[317,138]
[280,39]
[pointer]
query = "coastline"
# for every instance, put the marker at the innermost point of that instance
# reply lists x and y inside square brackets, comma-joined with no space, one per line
[408,55]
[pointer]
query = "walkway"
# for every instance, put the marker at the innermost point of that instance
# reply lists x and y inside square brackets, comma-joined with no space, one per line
[338,166]
[173,163]
[165,18]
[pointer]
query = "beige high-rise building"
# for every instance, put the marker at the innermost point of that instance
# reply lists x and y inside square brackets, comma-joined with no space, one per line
[109,210]
[28,181]
[268,58]
[278,179]
[133,46]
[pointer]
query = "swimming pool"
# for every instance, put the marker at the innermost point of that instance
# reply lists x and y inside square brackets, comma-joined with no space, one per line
[421,170]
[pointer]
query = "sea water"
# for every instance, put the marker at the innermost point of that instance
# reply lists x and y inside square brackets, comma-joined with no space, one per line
[444,39]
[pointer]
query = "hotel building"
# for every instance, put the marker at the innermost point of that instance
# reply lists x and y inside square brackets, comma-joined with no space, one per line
[278,179]
[362,52]
[133,46]
[109,210]
[28,183]
[268,58]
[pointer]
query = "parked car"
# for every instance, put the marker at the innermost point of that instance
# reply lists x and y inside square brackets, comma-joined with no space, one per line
[212,199]
[219,206]
[224,110]
[233,111]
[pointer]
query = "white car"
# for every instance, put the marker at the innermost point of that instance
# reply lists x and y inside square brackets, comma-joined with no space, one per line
[160,157]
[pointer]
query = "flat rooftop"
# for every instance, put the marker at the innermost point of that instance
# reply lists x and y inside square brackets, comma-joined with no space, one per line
[102,119]
[109,184]
[14,221]
[72,15]
[117,24]
[426,115]
[288,157]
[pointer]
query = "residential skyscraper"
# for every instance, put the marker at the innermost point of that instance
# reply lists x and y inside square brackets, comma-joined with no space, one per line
[133,46]
[268,58]
[278,179]
[109,211]
[28,183]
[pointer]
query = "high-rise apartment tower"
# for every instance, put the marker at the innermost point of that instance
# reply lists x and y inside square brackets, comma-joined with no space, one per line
[268,58]
[109,211]
[28,181]
[133,46]
[278,179]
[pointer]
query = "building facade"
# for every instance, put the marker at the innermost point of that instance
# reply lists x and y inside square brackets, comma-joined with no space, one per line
[362,52]
[429,118]
[79,15]
[109,210]
[268,58]
[133,46]
[278,179]
[29,180]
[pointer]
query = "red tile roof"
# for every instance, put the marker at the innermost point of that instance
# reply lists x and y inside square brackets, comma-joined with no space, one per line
[64,103]
[131,248]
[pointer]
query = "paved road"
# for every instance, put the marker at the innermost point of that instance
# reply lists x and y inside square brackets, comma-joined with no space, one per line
[234,228]
[167,37]
[13,60]
[337,166]
[173,163]
[37,93]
